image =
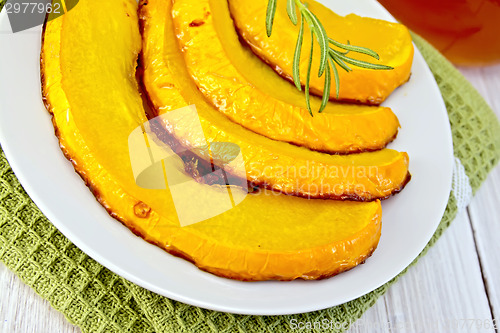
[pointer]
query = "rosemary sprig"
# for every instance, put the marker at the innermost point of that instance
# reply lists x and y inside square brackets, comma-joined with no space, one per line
[330,57]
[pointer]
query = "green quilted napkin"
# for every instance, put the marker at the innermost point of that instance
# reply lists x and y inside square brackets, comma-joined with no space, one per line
[98,300]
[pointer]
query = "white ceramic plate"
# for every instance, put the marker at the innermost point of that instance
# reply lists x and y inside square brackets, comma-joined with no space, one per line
[409,219]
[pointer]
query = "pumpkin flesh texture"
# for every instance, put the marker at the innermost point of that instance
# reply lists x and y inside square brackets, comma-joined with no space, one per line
[268,163]
[265,237]
[391,41]
[214,58]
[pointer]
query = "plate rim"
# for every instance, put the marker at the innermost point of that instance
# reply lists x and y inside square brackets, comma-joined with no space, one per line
[19,170]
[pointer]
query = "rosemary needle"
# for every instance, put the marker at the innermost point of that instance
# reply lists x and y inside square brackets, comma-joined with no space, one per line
[330,57]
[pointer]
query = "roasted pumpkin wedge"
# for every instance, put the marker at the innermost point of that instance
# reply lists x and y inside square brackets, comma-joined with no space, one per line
[209,54]
[269,163]
[390,40]
[88,63]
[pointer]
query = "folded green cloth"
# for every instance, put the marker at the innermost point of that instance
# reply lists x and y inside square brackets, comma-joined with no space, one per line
[98,300]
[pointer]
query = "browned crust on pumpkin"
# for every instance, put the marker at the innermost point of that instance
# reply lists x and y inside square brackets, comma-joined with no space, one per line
[289,78]
[314,91]
[343,197]
[175,145]
[178,148]
[354,151]
[164,136]
[80,170]
[234,276]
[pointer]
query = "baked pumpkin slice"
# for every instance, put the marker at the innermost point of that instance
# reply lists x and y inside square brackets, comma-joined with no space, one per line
[272,164]
[88,62]
[220,66]
[391,41]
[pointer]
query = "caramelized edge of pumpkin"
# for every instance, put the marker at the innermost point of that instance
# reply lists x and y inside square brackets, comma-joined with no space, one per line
[95,185]
[263,184]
